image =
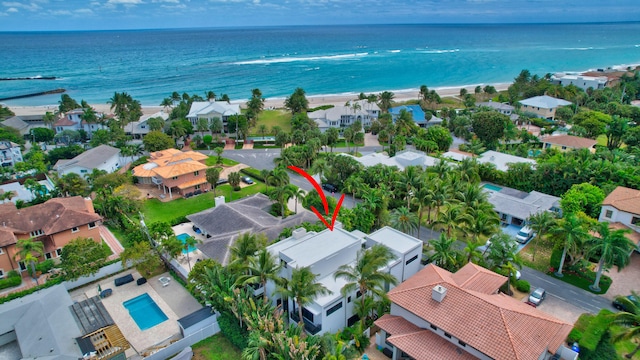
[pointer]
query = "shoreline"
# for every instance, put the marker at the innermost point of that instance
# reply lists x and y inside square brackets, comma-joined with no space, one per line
[278,102]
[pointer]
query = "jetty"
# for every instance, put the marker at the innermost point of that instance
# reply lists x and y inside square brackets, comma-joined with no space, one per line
[28,78]
[55,91]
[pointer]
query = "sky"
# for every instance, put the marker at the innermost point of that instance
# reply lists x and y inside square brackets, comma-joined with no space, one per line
[56,15]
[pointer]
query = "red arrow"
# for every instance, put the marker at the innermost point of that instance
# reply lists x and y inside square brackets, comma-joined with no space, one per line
[322,197]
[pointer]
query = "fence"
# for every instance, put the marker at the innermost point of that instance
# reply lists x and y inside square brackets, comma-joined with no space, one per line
[179,345]
[103,272]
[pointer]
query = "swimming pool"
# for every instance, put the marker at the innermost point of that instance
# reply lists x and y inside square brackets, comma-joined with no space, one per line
[144,311]
[183,237]
[492,187]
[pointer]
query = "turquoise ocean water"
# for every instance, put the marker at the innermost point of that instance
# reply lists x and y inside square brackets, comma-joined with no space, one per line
[151,64]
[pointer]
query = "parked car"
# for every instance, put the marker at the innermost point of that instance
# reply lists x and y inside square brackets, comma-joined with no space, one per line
[620,306]
[524,235]
[330,187]
[222,181]
[537,296]
[247,180]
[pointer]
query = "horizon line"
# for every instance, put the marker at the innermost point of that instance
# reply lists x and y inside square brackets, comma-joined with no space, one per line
[239,27]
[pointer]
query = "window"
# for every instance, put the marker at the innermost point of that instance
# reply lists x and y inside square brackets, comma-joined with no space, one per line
[349,299]
[283,263]
[36,233]
[307,314]
[334,308]
[48,256]
[433,327]
[92,225]
[197,187]
[447,335]
[462,343]
[635,220]
[75,229]
[608,214]
[59,252]
[1,252]
[1,273]
[174,178]
[411,260]
[358,294]
[564,148]
[196,173]
[83,171]
[22,265]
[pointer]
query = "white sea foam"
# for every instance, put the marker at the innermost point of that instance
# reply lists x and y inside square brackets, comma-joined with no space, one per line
[394,51]
[435,51]
[302,58]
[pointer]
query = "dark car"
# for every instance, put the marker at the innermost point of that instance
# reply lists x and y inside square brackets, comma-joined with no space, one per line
[620,306]
[247,180]
[222,181]
[330,187]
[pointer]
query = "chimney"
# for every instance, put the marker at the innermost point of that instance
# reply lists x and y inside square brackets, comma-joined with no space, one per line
[219,200]
[88,203]
[299,233]
[438,293]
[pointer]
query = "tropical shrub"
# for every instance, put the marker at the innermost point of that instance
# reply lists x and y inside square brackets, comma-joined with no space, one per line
[523,286]
[12,279]
[232,330]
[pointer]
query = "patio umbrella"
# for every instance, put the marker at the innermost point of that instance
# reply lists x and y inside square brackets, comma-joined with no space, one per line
[99,289]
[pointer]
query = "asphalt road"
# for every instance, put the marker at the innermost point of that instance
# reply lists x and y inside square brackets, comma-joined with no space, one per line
[581,298]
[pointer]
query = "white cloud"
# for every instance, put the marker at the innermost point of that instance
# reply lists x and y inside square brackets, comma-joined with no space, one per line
[166,1]
[83,12]
[125,2]
[19,5]
[60,12]
[12,10]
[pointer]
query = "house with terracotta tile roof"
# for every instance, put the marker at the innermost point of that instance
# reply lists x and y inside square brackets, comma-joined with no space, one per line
[54,223]
[72,120]
[621,208]
[324,252]
[567,142]
[175,171]
[543,106]
[439,315]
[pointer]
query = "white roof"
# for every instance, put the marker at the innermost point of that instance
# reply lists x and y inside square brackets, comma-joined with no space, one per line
[199,108]
[313,247]
[545,102]
[401,160]
[501,160]
[395,240]
[455,155]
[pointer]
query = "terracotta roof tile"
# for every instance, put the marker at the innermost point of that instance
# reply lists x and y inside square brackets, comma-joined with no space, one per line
[624,199]
[571,141]
[180,168]
[194,182]
[495,324]
[477,278]
[64,121]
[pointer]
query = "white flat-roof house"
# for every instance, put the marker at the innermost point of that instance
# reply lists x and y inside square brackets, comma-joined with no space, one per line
[502,160]
[347,115]
[103,157]
[210,110]
[324,253]
[10,153]
[544,106]
[72,120]
[581,81]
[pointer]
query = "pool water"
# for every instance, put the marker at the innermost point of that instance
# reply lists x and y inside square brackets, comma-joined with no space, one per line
[492,187]
[144,311]
[183,238]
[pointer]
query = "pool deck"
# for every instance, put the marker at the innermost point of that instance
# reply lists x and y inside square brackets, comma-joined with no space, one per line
[195,255]
[173,300]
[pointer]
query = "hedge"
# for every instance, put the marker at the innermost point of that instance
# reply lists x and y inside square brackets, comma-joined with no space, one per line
[255,173]
[523,286]
[20,294]
[232,330]
[12,279]
[598,326]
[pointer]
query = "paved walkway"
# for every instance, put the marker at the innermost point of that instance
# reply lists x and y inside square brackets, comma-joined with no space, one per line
[371,140]
[110,239]
[626,279]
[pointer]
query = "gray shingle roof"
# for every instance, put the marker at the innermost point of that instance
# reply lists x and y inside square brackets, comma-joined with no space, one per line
[522,208]
[545,102]
[89,159]
[228,221]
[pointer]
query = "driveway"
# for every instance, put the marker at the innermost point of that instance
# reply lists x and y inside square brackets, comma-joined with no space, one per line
[625,280]
[561,309]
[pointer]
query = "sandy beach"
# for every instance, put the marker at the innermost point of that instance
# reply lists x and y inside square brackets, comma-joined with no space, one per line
[314,100]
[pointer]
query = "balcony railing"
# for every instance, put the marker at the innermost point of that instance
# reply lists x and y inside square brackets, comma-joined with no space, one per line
[156,180]
[310,327]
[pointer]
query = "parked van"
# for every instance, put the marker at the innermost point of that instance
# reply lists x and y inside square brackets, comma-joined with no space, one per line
[524,235]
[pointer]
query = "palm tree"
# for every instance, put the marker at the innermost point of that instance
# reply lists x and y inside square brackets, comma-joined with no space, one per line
[281,194]
[319,167]
[571,233]
[385,100]
[299,195]
[444,255]
[352,185]
[452,219]
[261,268]
[404,220]
[540,223]
[90,117]
[613,247]
[629,320]
[49,119]
[482,222]
[166,103]
[28,252]
[279,176]
[234,179]
[244,248]
[190,243]
[303,287]
[367,274]
[213,175]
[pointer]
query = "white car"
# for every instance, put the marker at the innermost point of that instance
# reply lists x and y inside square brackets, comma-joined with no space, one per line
[524,235]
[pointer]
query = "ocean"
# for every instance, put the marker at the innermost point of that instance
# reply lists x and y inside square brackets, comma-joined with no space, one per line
[323,60]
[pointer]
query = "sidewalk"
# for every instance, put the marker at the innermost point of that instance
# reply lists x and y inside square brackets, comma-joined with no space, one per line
[110,239]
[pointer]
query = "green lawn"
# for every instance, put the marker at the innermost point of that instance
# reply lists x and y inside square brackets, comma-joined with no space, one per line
[216,347]
[154,210]
[212,160]
[272,118]
[602,140]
